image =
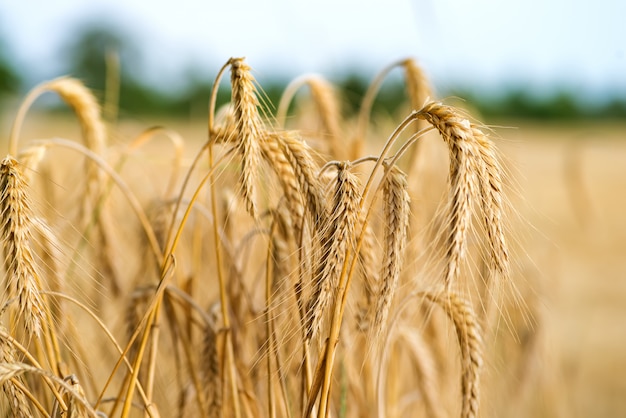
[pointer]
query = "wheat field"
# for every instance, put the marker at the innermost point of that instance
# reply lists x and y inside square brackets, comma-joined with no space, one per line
[286,261]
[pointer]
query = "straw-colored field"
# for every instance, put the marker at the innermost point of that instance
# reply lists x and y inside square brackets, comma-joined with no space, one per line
[566,241]
[572,177]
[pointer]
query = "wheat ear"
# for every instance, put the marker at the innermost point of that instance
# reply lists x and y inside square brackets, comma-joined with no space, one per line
[22,278]
[459,137]
[88,111]
[492,202]
[338,236]
[468,334]
[325,98]
[396,210]
[248,126]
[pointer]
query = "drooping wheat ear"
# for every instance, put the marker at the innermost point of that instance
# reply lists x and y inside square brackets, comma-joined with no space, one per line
[468,334]
[88,111]
[248,126]
[396,210]
[419,90]
[492,193]
[463,150]
[18,405]
[300,157]
[417,85]
[325,98]
[211,373]
[338,236]
[272,153]
[22,279]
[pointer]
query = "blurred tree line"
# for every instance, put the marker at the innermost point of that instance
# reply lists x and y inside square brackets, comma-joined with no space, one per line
[95,51]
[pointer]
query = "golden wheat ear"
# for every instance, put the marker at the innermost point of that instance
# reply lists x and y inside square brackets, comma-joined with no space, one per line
[248,126]
[396,219]
[338,236]
[22,279]
[469,336]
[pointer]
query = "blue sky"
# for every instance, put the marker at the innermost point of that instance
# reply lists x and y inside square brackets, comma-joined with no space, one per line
[478,42]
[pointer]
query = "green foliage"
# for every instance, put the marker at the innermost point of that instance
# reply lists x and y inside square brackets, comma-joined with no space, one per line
[10,80]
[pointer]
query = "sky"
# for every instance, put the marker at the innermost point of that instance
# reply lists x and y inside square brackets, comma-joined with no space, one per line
[485,43]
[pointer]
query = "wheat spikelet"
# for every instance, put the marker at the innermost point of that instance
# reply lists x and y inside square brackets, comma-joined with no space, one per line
[338,236]
[458,135]
[18,406]
[248,126]
[22,279]
[470,341]
[396,219]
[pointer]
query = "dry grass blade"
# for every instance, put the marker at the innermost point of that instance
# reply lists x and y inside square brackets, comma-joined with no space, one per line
[248,126]
[470,341]
[396,203]
[22,277]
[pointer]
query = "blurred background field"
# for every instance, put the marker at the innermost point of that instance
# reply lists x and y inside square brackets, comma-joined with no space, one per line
[561,126]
